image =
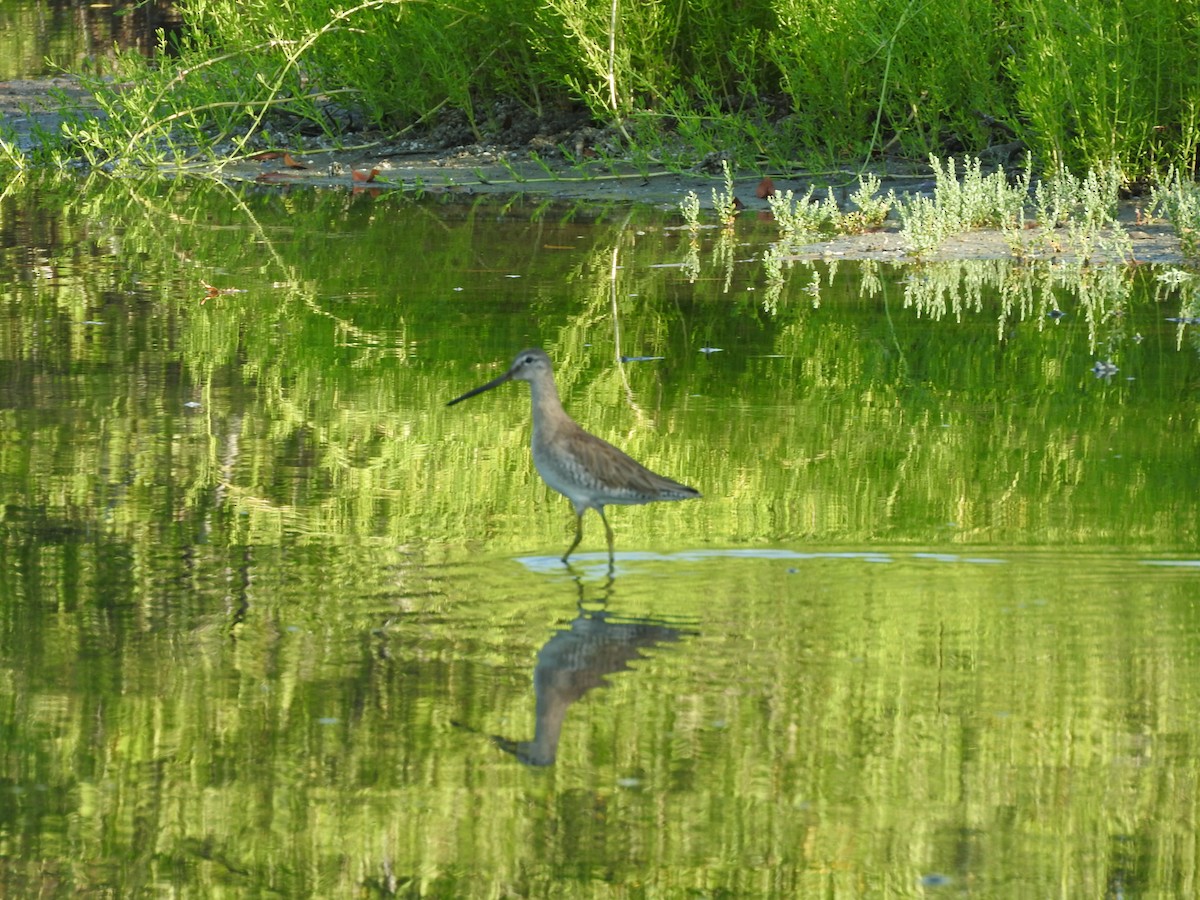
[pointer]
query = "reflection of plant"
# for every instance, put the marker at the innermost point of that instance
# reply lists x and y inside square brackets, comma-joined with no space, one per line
[813,289]
[723,257]
[691,261]
[1187,285]
[1034,291]
[774,262]
[777,262]
[41,145]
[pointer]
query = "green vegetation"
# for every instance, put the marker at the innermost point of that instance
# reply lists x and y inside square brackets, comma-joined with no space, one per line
[724,201]
[1077,215]
[767,83]
[1179,202]
[974,201]
[807,217]
[11,157]
[1085,209]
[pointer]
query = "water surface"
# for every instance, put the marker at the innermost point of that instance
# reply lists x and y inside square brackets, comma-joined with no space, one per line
[276,620]
[41,38]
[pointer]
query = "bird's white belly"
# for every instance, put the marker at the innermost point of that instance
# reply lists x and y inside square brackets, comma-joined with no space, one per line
[559,477]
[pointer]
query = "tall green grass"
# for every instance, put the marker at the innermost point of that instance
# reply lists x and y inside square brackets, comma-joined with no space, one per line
[772,83]
[915,77]
[1097,81]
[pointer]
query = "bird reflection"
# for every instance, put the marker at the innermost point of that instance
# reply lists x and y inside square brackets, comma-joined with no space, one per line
[575,660]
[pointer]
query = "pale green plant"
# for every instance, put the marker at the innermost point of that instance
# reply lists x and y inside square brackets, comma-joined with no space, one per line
[1055,198]
[1116,243]
[689,208]
[1083,211]
[808,215]
[872,207]
[976,200]
[804,216]
[1099,194]
[922,224]
[724,202]
[1015,240]
[959,204]
[1179,203]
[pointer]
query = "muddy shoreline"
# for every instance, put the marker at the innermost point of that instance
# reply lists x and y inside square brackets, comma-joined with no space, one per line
[432,165]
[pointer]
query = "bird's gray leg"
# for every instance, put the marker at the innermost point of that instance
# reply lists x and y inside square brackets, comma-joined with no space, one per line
[578,534]
[608,532]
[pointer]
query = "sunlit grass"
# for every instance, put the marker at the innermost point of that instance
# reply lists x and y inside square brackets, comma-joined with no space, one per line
[769,84]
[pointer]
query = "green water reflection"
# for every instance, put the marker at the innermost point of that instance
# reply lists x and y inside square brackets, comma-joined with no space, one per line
[43,38]
[275,620]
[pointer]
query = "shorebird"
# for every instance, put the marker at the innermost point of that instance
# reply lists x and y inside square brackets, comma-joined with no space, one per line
[588,471]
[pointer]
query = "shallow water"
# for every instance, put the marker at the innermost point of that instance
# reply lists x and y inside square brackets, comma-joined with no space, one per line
[276,620]
[42,38]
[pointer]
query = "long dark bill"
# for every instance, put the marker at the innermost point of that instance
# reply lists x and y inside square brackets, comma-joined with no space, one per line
[483,387]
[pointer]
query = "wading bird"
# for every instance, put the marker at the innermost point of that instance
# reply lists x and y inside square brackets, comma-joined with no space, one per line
[588,471]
